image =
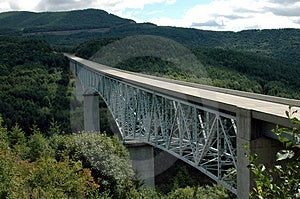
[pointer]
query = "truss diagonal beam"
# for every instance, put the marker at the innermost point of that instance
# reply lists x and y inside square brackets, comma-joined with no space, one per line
[202,137]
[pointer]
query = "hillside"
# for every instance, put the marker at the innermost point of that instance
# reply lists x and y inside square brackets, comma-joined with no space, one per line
[30,22]
[71,28]
[212,66]
[261,61]
[37,103]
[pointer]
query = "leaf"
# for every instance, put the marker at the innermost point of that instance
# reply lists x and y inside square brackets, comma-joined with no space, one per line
[284,154]
[289,144]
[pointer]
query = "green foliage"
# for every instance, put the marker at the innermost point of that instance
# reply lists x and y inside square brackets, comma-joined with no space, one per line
[38,147]
[74,27]
[28,22]
[220,67]
[82,165]
[16,136]
[283,179]
[52,179]
[88,48]
[108,159]
[4,140]
[64,166]
[250,72]
[34,82]
[42,176]
[182,179]
[148,65]
[207,192]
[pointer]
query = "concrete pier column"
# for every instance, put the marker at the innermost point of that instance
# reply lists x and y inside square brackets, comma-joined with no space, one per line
[142,159]
[78,90]
[250,133]
[91,112]
[245,127]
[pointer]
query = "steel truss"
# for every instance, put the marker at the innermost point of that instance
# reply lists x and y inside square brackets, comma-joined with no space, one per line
[203,137]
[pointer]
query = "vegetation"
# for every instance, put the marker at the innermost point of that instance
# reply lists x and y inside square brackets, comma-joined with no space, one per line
[88,48]
[86,164]
[61,166]
[29,22]
[282,180]
[34,84]
[213,66]
[249,72]
[41,158]
[58,28]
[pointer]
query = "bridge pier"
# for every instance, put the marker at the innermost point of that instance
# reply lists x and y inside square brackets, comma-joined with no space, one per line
[91,112]
[142,159]
[250,133]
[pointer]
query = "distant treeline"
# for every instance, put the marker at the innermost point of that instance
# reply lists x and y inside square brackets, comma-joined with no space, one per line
[281,44]
[40,157]
[224,68]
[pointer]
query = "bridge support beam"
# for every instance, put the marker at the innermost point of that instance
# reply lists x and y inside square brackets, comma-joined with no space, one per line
[250,133]
[91,112]
[142,159]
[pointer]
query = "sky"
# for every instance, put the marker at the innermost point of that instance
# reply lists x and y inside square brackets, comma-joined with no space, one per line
[217,15]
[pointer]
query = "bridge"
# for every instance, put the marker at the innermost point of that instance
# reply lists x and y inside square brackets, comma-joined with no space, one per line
[205,126]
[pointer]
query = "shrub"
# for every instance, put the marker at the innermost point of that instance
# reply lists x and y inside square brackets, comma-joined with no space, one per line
[283,179]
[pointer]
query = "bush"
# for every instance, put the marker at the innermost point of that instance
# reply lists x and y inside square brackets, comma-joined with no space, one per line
[283,179]
[201,192]
[108,159]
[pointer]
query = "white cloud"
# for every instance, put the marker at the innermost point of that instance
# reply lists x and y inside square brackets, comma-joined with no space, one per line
[4,6]
[170,2]
[217,15]
[155,12]
[119,7]
[10,5]
[238,15]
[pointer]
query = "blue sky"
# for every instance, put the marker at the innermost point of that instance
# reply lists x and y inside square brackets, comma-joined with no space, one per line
[172,10]
[220,15]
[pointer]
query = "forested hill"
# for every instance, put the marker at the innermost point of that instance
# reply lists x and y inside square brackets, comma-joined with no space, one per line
[74,27]
[22,22]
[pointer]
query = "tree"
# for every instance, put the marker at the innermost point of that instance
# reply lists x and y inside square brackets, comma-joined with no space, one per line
[283,179]
[29,169]
[108,160]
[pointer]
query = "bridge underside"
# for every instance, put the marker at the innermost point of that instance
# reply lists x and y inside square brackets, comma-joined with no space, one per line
[203,137]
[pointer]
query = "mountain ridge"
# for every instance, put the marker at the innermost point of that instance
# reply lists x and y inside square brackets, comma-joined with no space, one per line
[29,22]
[70,28]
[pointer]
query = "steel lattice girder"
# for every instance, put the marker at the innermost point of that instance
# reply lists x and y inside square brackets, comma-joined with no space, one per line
[202,137]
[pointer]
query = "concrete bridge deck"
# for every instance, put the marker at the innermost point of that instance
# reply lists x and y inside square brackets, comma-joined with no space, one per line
[266,108]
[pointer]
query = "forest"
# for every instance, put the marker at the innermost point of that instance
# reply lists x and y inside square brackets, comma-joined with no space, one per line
[43,156]
[58,29]
[43,151]
[212,66]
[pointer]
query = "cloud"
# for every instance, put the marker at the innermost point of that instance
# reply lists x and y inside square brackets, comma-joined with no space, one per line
[9,5]
[216,15]
[170,2]
[292,9]
[58,5]
[284,1]
[155,12]
[238,15]
[207,23]
[122,8]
